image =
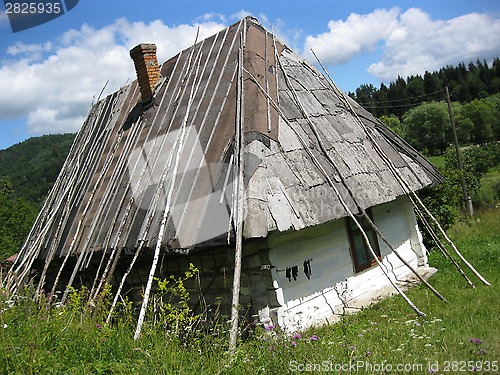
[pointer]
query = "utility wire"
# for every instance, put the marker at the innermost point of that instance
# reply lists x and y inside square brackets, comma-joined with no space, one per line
[411,97]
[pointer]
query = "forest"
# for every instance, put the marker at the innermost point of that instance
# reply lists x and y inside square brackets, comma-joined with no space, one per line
[27,172]
[415,108]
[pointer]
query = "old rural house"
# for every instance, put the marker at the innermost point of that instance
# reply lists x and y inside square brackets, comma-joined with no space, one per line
[236,138]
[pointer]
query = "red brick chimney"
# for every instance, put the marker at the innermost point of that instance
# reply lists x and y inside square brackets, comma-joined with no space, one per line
[146,68]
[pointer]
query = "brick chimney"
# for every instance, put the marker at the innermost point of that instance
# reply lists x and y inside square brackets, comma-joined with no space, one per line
[146,68]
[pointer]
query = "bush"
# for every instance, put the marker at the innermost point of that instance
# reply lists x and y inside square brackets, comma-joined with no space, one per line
[496,191]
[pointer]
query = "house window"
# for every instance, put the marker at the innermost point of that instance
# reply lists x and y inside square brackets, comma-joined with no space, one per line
[361,255]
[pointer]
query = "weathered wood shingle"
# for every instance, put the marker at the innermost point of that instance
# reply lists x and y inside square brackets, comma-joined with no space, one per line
[119,176]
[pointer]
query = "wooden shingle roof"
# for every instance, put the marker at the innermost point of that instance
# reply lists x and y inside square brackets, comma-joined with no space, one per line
[129,164]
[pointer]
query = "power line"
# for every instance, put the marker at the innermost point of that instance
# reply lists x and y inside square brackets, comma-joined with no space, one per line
[397,106]
[411,97]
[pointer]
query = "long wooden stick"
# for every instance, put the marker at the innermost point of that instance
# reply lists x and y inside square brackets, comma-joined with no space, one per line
[337,193]
[239,149]
[179,145]
[410,191]
[382,237]
[151,158]
[342,201]
[143,236]
[445,236]
[122,282]
[440,246]
[84,214]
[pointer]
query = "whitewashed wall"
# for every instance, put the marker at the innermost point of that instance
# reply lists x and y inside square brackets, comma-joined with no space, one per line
[319,300]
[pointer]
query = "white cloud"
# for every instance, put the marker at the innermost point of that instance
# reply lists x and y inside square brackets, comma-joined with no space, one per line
[29,52]
[346,39]
[241,14]
[211,17]
[46,120]
[424,44]
[53,84]
[411,42]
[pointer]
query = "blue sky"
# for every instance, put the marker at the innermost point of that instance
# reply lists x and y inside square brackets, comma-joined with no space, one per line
[50,74]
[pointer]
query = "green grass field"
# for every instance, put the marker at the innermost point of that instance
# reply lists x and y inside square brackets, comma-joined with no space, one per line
[488,192]
[438,161]
[461,335]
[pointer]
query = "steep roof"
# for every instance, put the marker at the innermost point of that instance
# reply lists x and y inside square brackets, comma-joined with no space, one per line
[299,136]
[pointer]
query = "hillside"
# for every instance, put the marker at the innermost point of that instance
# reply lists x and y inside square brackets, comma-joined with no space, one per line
[32,166]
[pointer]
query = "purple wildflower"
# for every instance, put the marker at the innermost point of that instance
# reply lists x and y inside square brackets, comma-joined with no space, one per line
[481,352]
[353,348]
[270,327]
[98,326]
[297,336]
[475,341]
[272,348]
[360,335]
[368,353]
[293,344]
[314,338]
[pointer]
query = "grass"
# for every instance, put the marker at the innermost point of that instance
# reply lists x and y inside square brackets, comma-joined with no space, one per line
[438,161]
[462,334]
[488,193]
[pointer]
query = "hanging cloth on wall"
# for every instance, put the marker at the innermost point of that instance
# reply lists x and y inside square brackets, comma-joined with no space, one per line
[307,268]
[295,272]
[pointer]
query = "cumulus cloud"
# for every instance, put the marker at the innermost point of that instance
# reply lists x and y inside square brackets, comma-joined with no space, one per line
[411,42]
[211,17]
[53,83]
[29,52]
[346,39]
[242,13]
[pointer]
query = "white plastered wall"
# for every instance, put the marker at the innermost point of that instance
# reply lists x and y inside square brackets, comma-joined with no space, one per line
[319,300]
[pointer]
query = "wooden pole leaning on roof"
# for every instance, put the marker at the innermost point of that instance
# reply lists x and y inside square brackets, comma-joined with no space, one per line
[439,245]
[177,148]
[433,290]
[445,236]
[336,191]
[403,183]
[339,195]
[239,150]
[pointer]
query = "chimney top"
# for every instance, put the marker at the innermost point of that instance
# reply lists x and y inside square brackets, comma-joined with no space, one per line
[146,68]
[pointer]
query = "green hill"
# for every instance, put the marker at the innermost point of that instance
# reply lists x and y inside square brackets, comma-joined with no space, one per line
[32,166]
[27,172]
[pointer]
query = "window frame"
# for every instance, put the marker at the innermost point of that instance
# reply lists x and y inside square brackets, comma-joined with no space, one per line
[353,232]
